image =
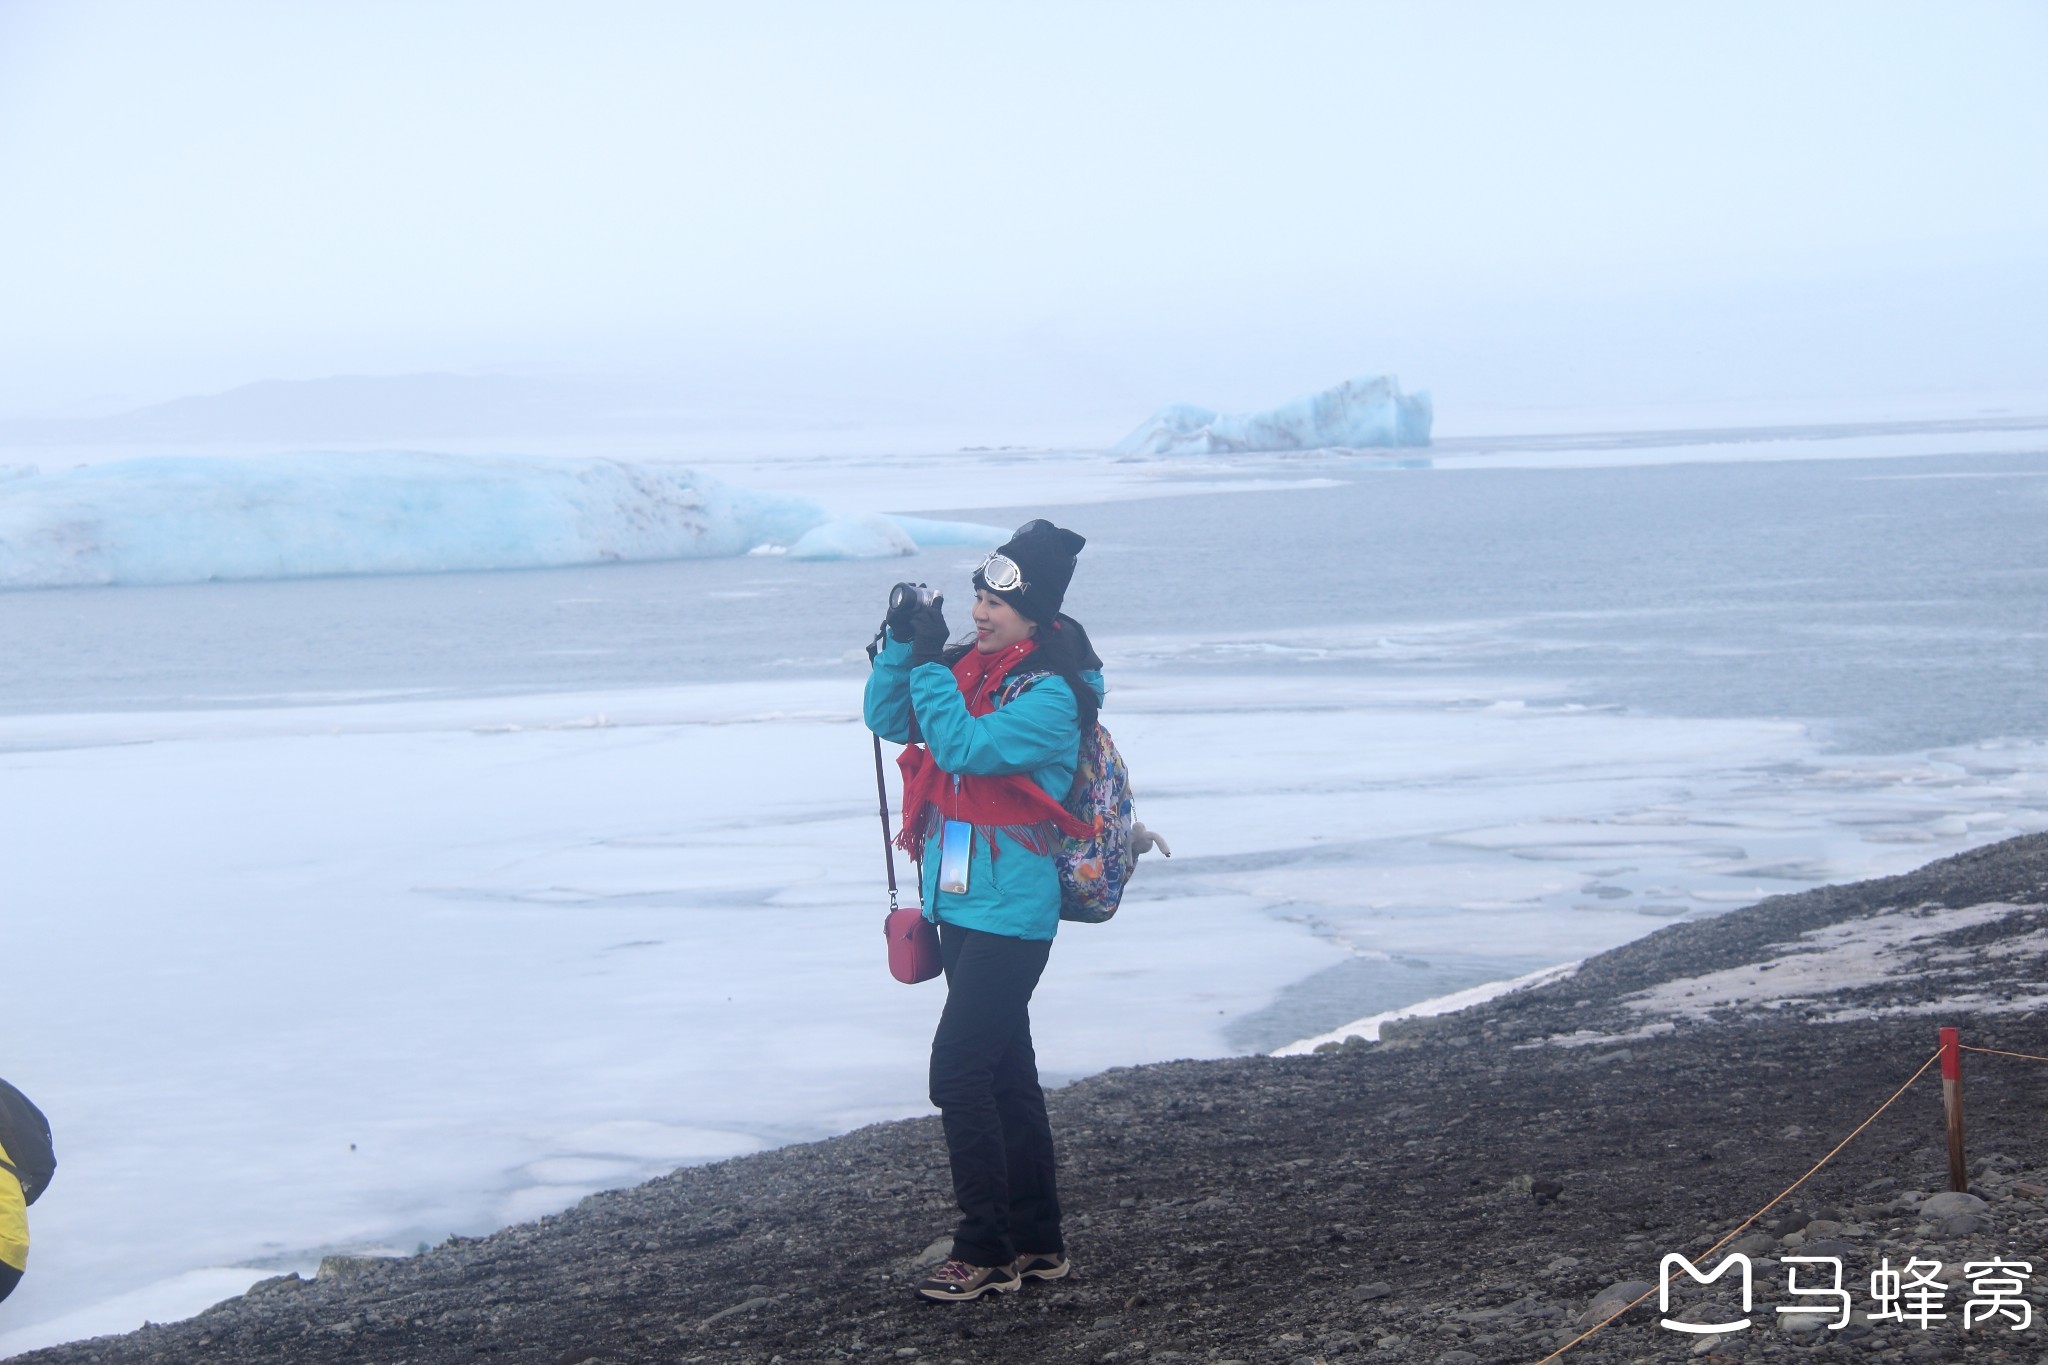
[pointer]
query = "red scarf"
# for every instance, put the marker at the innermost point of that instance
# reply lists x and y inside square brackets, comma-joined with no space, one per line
[1011,801]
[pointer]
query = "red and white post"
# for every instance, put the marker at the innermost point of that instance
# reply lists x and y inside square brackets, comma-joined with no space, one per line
[1952,1106]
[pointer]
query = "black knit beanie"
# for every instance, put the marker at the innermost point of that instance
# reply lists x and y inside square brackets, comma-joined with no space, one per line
[1045,555]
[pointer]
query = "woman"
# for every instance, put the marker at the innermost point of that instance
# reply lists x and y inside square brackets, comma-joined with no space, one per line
[1001,719]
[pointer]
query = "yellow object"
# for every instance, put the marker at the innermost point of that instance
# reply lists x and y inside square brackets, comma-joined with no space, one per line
[13,1219]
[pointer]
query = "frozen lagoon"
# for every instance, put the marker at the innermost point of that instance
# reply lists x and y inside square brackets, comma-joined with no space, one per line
[510,880]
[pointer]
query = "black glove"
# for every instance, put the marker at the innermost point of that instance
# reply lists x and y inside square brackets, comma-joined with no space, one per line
[928,632]
[899,617]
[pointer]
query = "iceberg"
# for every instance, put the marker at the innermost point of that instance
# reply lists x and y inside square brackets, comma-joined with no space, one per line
[205,519]
[1368,411]
[874,535]
[928,533]
[864,537]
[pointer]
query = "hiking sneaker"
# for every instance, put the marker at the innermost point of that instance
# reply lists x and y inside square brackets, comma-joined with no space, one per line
[958,1280]
[1047,1265]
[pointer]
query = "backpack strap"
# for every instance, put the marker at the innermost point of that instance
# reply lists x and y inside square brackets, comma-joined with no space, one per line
[1017,684]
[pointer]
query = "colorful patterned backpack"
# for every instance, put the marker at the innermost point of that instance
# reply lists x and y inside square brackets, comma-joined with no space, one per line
[1093,869]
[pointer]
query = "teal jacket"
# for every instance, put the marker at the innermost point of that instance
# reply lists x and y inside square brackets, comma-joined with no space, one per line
[1015,892]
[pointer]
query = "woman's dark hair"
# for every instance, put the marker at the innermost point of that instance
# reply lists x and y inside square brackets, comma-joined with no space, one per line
[1063,648]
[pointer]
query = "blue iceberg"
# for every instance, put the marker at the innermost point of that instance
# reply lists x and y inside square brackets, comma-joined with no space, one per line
[871,536]
[1364,412]
[196,520]
[928,533]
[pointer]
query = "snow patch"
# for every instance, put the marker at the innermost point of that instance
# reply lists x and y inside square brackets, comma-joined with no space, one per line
[1364,412]
[1886,948]
[1973,1002]
[1586,1037]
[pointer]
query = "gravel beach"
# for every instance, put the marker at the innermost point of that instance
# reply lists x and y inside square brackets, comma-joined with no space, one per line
[1463,1191]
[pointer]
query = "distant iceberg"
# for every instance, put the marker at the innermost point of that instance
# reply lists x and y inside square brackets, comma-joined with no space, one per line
[1369,411]
[195,520]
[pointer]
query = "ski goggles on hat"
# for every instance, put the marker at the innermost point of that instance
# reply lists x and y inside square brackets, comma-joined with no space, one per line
[1002,574]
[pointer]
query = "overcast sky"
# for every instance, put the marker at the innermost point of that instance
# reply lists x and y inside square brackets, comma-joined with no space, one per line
[1221,202]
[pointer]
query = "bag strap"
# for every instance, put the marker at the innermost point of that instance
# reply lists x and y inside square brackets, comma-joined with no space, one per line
[882,787]
[1018,683]
[888,847]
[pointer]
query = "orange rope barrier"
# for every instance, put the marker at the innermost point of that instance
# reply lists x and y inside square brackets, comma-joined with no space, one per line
[1758,1214]
[2027,1056]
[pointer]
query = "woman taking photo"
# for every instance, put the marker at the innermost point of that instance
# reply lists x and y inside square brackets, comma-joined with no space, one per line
[1001,719]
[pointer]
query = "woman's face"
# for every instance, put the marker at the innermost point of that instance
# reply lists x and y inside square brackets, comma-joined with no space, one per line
[997,624]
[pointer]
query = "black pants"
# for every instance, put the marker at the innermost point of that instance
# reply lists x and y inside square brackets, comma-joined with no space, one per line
[985,1082]
[9,1277]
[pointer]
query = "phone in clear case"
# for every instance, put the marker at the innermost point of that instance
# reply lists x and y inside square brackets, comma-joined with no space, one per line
[956,849]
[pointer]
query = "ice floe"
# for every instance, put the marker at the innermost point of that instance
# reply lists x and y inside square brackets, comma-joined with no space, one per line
[931,534]
[460,874]
[872,536]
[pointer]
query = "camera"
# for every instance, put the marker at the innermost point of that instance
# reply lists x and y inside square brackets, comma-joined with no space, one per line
[908,597]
